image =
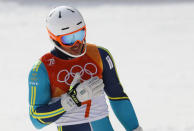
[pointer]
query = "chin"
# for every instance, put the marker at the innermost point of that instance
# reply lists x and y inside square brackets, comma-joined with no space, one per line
[75,50]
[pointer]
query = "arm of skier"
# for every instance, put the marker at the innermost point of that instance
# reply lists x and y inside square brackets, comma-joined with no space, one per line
[119,101]
[41,112]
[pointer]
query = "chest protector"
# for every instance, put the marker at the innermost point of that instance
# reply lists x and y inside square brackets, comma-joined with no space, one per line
[61,72]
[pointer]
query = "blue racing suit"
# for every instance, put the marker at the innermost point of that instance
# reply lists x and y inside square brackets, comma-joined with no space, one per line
[43,113]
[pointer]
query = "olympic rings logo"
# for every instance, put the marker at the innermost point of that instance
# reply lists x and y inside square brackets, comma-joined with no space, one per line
[72,72]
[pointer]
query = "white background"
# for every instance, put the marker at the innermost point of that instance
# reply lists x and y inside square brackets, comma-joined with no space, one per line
[152,43]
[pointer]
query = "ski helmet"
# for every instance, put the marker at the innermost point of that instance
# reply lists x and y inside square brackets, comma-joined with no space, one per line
[66,24]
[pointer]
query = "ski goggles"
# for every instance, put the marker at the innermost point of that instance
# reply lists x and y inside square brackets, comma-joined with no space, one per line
[71,38]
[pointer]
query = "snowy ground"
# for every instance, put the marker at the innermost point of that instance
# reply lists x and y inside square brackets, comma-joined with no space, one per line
[153,47]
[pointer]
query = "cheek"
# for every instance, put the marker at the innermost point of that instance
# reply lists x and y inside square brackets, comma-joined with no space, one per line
[67,48]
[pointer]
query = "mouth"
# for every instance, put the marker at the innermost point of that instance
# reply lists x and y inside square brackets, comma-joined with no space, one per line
[77,47]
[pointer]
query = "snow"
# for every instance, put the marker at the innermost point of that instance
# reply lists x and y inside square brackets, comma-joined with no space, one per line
[151,41]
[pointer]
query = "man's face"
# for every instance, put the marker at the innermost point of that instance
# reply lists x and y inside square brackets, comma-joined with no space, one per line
[76,49]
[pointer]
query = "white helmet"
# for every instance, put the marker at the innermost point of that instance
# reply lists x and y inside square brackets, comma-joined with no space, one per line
[64,20]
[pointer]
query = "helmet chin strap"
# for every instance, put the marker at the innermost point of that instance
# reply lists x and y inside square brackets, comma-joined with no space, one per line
[65,52]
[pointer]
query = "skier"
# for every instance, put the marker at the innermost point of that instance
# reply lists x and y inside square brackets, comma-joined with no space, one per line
[67,85]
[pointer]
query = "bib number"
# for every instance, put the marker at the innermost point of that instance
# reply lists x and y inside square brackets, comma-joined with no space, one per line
[88,103]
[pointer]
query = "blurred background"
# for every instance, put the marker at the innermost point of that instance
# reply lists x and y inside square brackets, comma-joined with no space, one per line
[152,42]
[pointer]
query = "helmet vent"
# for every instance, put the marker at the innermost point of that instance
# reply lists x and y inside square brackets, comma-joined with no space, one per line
[71,10]
[59,14]
[79,23]
[51,14]
[65,28]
